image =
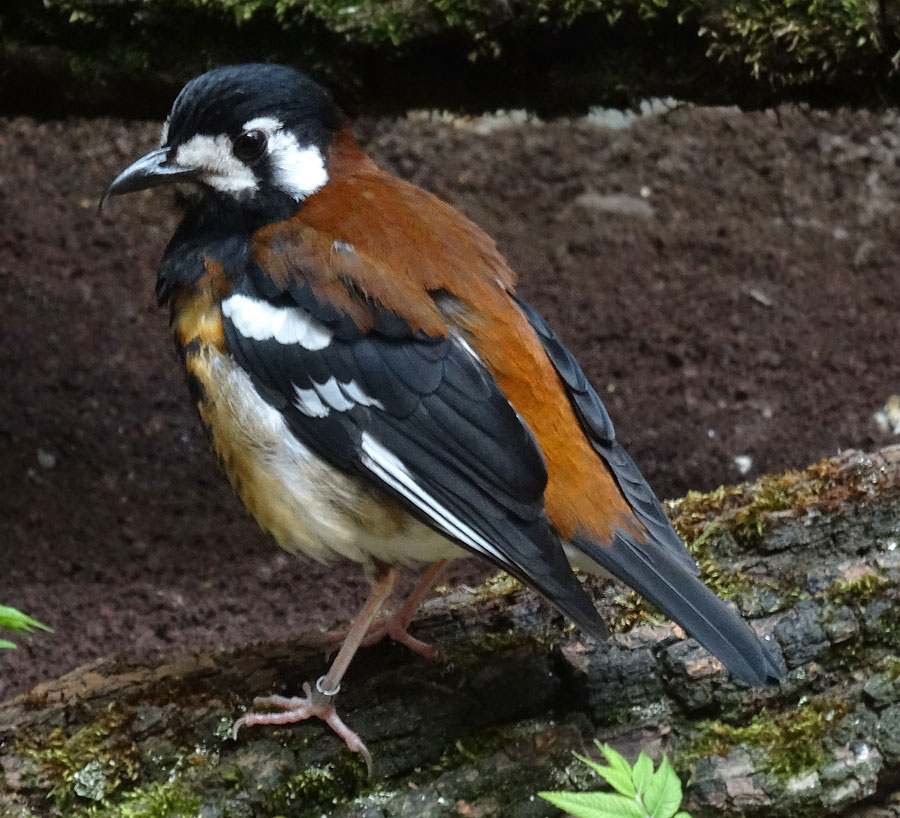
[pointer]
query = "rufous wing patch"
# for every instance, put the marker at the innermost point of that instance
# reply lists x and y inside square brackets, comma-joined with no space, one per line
[368,235]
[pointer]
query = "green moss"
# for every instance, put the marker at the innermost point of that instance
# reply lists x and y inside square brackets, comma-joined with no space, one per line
[726,584]
[632,610]
[466,751]
[876,641]
[500,584]
[92,772]
[891,666]
[745,510]
[167,799]
[87,766]
[472,652]
[321,786]
[793,740]
[878,638]
[859,591]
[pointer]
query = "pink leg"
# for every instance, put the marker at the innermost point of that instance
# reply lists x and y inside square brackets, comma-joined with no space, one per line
[395,626]
[317,703]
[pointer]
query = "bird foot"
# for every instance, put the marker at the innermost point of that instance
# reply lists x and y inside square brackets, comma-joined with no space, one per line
[315,704]
[395,626]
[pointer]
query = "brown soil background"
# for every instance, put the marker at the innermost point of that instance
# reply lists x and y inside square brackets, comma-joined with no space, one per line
[747,305]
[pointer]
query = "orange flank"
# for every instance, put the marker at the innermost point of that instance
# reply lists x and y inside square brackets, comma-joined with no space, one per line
[197,311]
[581,496]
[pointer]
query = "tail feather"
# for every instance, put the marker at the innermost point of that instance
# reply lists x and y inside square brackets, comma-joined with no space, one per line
[668,583]
[543,565]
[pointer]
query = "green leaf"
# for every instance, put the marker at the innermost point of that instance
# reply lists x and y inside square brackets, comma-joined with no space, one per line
[613,757]
[642,774]
[17,621]
[616,777]
[645,792]
[5,643]
[594,804]
[617,762]
[662,796]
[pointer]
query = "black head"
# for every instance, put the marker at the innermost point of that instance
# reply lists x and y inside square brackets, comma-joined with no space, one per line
[256,134]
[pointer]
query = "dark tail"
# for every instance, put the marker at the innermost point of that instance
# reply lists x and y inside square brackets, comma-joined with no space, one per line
[671,585]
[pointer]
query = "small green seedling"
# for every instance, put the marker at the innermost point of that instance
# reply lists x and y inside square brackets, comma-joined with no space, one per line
[17,622]
[642,792]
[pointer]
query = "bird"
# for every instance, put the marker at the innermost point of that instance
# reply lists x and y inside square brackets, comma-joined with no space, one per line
[376,389]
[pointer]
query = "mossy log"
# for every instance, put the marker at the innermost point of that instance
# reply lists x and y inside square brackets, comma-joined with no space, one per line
[551,56]
[810,557]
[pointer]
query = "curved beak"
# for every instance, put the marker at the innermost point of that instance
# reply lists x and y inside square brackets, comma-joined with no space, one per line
[151,170]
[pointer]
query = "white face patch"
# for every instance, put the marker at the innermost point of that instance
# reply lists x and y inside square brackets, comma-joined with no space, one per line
[298,171]
[261,321]
[220,168]
[164,133]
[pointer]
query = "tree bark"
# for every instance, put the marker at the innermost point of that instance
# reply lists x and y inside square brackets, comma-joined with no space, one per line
[811,557]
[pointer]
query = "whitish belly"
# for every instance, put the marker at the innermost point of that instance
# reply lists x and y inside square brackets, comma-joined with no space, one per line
[307,505]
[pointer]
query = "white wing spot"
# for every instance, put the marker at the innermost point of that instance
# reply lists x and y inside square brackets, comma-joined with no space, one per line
[309,402]
[354,391]
[331,393]
[261,321]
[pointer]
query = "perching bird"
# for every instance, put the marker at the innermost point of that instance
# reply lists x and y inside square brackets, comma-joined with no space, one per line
[376,390]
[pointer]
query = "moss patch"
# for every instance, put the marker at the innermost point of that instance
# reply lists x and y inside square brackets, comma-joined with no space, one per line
[321,786]
[88,766]
[167,799]
[632,610]
[746,509]
[469,749]
[859,591]
[793,740]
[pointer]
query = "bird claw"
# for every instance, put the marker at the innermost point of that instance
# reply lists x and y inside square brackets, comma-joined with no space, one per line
[314,704]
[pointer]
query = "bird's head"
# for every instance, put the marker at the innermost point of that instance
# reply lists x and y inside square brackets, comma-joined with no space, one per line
[255,134]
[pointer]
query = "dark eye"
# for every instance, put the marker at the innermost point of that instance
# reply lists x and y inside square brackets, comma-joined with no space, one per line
[250,145]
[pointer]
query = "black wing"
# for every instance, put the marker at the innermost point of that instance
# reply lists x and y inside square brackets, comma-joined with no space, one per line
[418,416]
[658,566]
